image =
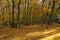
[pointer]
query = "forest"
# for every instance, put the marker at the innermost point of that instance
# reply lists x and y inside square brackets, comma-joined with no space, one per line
[16,13]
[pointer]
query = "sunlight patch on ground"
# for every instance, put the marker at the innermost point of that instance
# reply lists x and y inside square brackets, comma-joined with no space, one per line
[51,37]
[33,34]
[37,33]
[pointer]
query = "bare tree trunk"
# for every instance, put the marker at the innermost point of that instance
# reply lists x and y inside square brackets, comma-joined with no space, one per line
[42,13]
[51,12]
[3,16]
[28,12]
[47,11]
[19,12]
[13,13]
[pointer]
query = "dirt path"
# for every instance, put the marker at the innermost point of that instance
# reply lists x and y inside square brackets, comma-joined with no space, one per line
[21,33]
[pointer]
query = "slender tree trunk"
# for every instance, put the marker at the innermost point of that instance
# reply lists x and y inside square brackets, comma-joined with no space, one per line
[51,12]
[13,13]
[2,16]
[28,12]
[42,13]
[25,12]
[19,12]
[47,11]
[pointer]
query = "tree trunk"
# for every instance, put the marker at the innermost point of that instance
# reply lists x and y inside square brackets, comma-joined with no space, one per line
[51,12]
[19,12]
[13,13]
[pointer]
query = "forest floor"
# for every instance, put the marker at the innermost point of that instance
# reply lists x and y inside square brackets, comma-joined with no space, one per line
[32,32]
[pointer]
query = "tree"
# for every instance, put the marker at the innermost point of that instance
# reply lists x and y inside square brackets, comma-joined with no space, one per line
[19,11]
[13,13]
[50,16]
